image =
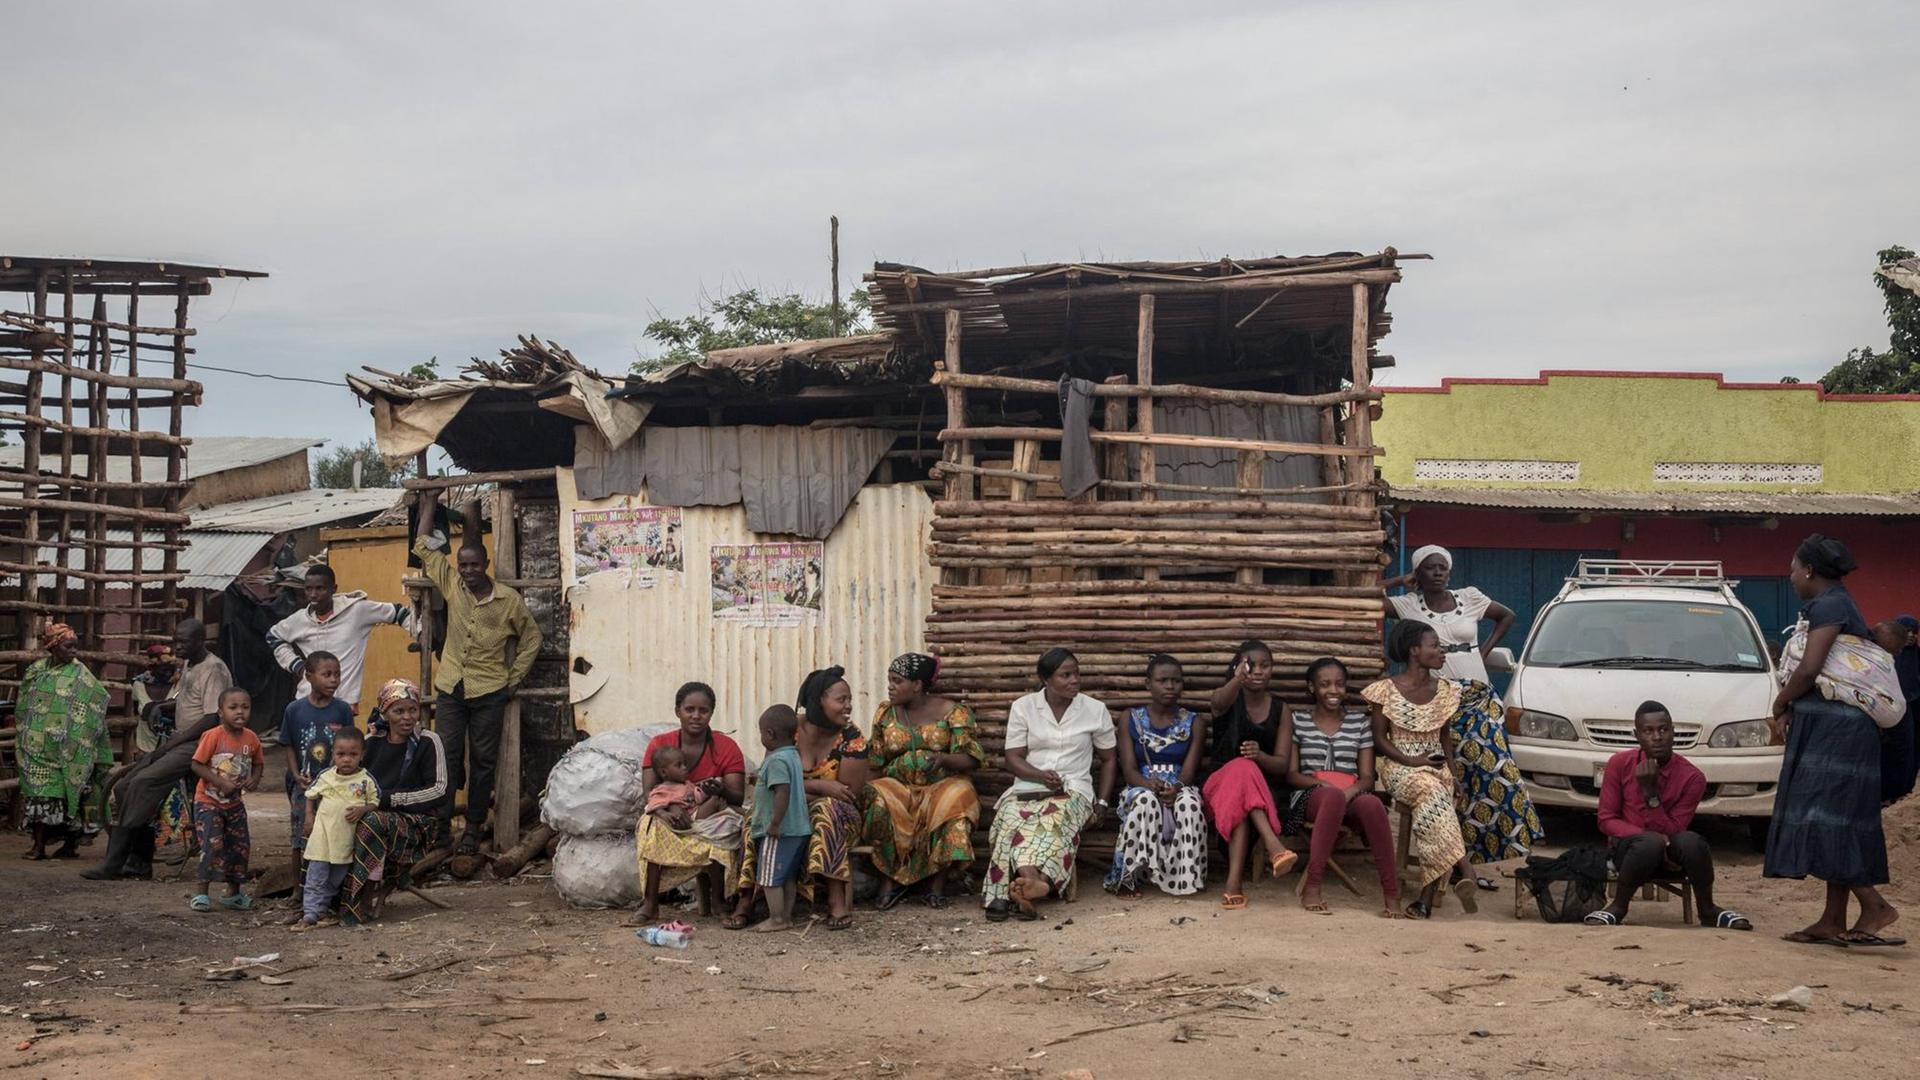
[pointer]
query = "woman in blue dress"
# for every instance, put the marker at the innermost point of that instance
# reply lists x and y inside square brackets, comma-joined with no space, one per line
[1163,828]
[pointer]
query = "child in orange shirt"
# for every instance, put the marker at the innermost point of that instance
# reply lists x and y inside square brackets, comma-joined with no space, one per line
[229,762]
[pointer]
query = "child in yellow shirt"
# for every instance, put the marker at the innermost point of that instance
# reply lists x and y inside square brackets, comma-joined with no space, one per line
[329,832]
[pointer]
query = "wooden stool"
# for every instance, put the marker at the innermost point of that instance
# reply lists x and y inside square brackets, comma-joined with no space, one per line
[1657,889]
[1333,862]
[1403,856]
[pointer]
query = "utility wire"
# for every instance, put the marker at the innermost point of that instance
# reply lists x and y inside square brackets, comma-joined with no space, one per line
[264,375]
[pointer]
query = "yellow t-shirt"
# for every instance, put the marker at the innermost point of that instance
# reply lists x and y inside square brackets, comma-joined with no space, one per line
[332,838]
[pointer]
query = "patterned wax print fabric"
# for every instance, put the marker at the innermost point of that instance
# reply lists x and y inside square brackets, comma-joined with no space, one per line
[63,742]
[1160,842]
[1041,833]
[919,818]
[1428,792]
[1497,820]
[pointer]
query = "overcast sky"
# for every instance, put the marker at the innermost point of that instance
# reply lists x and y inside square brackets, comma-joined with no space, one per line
[1694,186]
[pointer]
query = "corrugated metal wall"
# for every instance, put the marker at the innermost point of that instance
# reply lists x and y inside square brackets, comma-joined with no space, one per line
[647,641]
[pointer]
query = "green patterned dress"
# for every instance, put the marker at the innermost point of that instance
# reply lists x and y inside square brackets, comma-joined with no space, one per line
[63,746]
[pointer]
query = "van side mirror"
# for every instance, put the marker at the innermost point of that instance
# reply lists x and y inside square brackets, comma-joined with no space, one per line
[1500,659]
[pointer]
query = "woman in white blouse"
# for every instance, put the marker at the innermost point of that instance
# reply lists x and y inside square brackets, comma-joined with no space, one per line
[1054,737]
[1454,614]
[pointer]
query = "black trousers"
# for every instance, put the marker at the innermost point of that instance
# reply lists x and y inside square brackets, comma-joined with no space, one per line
[470,726]
[1637,858]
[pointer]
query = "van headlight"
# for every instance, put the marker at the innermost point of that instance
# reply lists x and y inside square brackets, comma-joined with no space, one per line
[1539,725]
[1741,735]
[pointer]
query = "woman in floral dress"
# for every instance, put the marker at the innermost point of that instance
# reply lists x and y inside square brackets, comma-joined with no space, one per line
[920,807]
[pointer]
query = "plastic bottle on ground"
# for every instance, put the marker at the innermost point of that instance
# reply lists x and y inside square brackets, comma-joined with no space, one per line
[662,937]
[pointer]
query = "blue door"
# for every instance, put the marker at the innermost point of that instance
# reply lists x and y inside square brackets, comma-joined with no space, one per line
[1773,603]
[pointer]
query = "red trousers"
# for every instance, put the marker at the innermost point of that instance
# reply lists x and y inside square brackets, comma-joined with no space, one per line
[1327,808]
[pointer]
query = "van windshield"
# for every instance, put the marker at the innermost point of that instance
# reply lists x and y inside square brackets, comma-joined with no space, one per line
[1646,634]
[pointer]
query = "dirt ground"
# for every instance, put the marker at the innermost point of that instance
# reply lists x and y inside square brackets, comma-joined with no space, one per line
[114,979]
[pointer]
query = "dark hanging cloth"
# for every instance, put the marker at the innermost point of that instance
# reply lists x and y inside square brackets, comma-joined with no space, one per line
[244,623]
[1079,471]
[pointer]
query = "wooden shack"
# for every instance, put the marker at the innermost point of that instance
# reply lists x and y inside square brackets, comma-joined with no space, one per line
[1232,490]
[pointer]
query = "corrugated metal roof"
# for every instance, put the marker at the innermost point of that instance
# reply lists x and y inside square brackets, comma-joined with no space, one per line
[208,455]
[1772,503]
[294,510]
[644,642]
[212,562]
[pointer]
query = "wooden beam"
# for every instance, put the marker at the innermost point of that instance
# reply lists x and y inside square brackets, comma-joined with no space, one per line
[1138,438]
[509,476]
[506,788]
[1143,413]
[1158,288]
[1168,390]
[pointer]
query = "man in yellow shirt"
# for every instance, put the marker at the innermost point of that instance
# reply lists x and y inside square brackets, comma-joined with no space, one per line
[490,646]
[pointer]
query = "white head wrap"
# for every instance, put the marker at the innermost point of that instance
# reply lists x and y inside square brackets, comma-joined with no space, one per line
[1423,554]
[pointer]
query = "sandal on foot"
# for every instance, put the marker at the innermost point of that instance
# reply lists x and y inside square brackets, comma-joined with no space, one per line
[1465,890]
[1282,862]
[1801,937]
[1860,939]
[840,922]
[1233,901]
[1603,917]
[203,902]
[935,900]
[734,921]
[891,898]
[1393,912]
[1317,908]
[237,902]
[1732,920]
[1419,909]
[1485,884]
[998,910]
[301,925]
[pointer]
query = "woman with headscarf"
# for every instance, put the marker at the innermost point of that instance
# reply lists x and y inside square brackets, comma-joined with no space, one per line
[410,765]
[1826,811]
[1454,614]
[921,808]
[833,755]
[62,748]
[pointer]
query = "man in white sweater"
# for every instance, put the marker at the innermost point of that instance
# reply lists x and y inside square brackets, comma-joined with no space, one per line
[334,622]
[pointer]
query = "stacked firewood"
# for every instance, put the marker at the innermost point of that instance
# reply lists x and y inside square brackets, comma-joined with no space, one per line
[531,361]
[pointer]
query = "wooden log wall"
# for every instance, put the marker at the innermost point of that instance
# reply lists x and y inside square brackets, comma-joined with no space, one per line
[1140,565]
[101,554]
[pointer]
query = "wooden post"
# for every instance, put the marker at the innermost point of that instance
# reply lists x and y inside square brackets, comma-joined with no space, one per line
[959,484]
[1143,418]
[1026,453]
[1362,417]
[506,786]
[1249,470]
[423,625]
[30,467]
[833,240]
[1113,418]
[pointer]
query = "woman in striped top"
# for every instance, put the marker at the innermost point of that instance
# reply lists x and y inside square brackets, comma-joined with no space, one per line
[1330,769]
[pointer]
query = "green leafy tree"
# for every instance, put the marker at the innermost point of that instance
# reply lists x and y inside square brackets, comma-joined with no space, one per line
[334,469]
[1897,369]
[747,318]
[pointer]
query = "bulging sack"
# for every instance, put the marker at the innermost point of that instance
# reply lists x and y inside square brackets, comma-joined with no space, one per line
[597,871]
[595,787]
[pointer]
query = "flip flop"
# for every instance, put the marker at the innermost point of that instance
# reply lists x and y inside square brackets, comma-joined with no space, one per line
[935,900]
[1485,884]
[891,898]
[238,902]
[1393,913]
[1317,909]
[1603,917]
[1419,909]
[1464,890]
[1282,862]
[1801,937]
[1732,920]
[734,922]
[1233,901]
[34,856]
[1858,939]
[840,922]
[203,902]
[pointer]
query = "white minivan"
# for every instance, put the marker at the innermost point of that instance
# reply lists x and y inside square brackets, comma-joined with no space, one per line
[1623,632]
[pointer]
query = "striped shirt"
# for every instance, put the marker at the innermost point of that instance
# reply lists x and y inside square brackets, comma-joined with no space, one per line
[1339,752]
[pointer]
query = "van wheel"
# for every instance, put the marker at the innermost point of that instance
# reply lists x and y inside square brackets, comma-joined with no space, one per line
[1757,832]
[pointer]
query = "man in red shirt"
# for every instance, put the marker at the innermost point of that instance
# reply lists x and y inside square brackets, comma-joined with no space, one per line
[1647,800]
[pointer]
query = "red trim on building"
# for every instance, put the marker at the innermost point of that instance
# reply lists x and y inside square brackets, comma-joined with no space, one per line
[1446,385]
[1885,585]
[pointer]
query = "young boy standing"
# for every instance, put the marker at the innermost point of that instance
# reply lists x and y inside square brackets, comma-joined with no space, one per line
[307,731]
[329,830]
[229,762]
[780,823]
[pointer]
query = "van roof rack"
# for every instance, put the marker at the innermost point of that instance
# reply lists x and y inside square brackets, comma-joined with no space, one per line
[1703,573]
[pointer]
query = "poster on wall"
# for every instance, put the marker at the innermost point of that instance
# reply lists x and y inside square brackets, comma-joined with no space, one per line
[767,584]
[640,541]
